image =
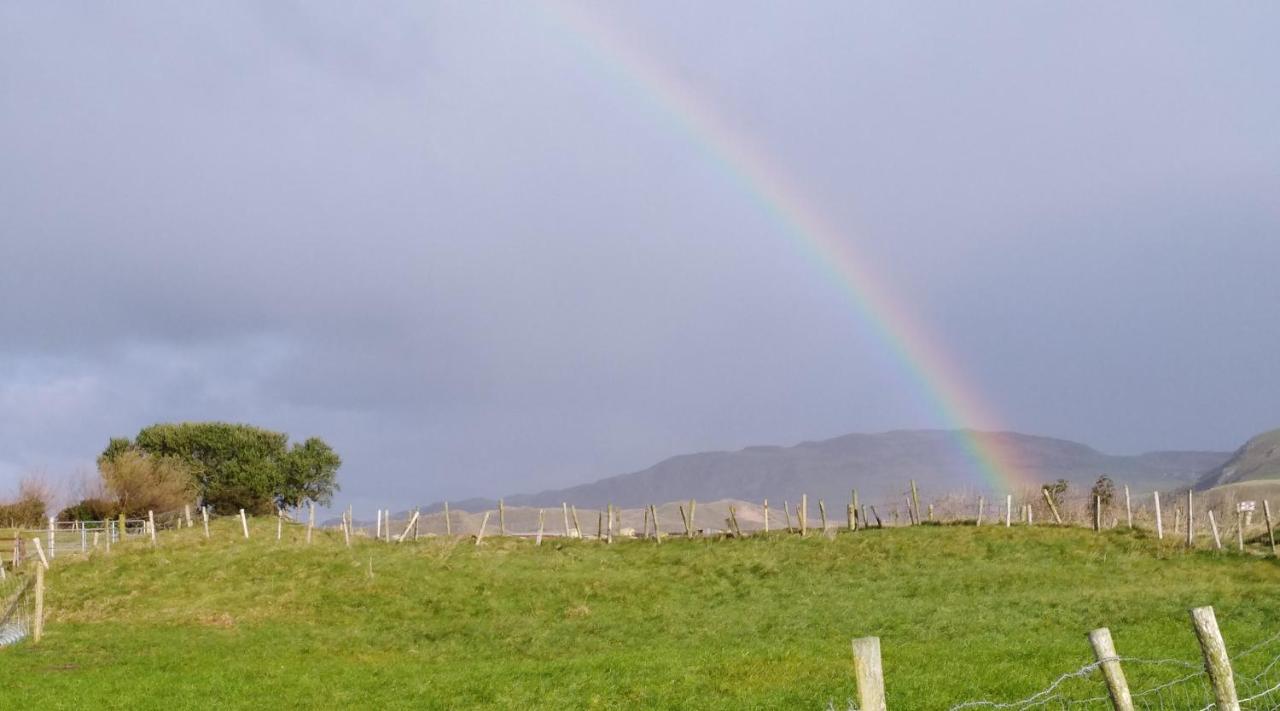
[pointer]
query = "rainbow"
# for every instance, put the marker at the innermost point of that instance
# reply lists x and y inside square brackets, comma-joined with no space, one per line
[922,359]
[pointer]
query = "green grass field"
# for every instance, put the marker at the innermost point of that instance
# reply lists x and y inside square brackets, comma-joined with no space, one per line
[763,622]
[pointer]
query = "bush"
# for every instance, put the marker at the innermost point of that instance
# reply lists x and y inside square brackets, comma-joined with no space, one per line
[141,482]
[89,509]
[30,508]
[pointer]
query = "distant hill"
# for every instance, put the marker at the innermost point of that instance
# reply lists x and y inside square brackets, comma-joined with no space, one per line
[1258,459]
[878,465]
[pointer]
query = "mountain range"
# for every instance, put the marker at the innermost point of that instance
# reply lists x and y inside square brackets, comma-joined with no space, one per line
[880,466]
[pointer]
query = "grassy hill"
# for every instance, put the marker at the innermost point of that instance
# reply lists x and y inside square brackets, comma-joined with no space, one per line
[1257,460]
[761,622]
[878,465]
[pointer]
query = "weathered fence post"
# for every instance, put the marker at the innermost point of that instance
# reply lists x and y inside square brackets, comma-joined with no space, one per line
[822,512]
[204,515]
[1239,529]
[1159,519]
[693,521]
[657,532]
[279,523]
[37,623]
[53,543]
[186,511]
[1213,526]
[856,510]
[44,562]
[541,520]
[1097,513]
[564,509]
[869,674]
[1191,521]
[244,524]
[852,522]
[1053,508]
[377,526]
[766,515]
[577,525]
[786,511]
[915,502]
[804,515]
[1128,508]
[502,518]
[411,526]
[981,502]
[1105,652]
[483,522]
[151,523]
[311,521]
[1271,534]
[448,525]
[1008,510]
[1216,661]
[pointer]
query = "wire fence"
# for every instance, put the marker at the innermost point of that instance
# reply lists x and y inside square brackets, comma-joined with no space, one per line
[17,609]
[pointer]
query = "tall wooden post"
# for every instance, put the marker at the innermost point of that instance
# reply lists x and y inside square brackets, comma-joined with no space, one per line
[1105,652]
[151,522]
[856,510]
[541,520]
[766,515]
[502,518]
[564,509]
[311,521]
[1271,533]
[1008,510]
[37,623]
[915,502]
[869,674]
[279,523]
[448,525]
[981,502]
[1128,507]
[804,515]
[1191,521]
[822,512]
[1216,661]
[1159,519]
[1097,513]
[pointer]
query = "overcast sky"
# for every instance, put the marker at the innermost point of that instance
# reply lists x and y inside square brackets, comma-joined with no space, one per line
[457,243]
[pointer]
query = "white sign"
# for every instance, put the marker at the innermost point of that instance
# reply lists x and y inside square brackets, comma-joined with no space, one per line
[1247,506]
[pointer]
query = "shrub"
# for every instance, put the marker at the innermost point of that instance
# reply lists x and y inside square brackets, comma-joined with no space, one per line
[89,509]
[30,508]
[140,482]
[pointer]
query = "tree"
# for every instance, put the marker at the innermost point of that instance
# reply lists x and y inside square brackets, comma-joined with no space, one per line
[311,474]
[238,466]
[140,482]
[1104,490]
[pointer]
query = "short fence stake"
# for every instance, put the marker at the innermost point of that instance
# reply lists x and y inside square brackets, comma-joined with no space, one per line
[869,674]
[1105,652]
[1216,661]
[244,524]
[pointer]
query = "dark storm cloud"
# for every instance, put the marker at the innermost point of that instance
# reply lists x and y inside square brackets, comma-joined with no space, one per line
[459,246]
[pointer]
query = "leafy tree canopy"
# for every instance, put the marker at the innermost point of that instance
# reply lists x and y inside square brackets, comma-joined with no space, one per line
[239,466]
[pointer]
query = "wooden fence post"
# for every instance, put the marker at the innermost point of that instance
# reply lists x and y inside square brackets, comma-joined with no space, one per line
[483,522]
[151,522]
[204,517]
[981,501]
[448,525]
[1008,510]
[1128,507]
[1097,513]
[786,511]
[693,521]
[855,512]
[1239,529]
[1053,508]
[852,523]
[37,623]
[186,510]
[804,515]
[279,523]
[541,521]
[502,518]
[915,503]
[1105,652]
[311,521]
[564,509]
[1213,526]
[1191,521]
[766,515]
[244,524]
[657,532]
[600,526]
[822,512]
[577,525]
[410,527]
[879,523]
[346,528]
[1216,661]
[869,674]
[53,542]
[1271,534]
[377,527]
[44,562]
[1159,518]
